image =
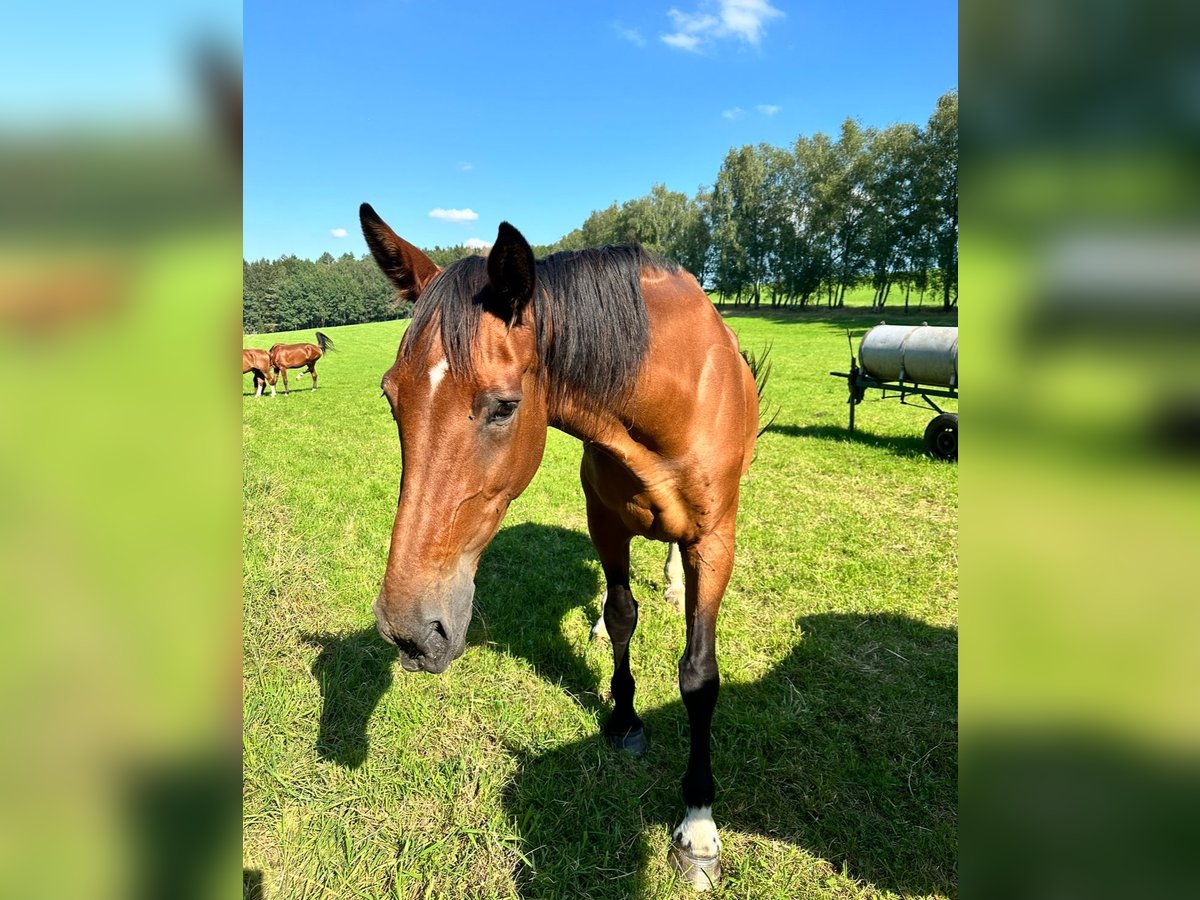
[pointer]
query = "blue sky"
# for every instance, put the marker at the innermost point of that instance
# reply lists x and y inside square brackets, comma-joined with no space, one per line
[451,117]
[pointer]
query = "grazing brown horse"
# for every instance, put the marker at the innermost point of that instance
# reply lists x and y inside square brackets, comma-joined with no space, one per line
[297,356]
[259,362]
[624,351]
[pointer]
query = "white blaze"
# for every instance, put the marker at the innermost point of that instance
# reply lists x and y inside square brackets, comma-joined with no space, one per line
[436,373]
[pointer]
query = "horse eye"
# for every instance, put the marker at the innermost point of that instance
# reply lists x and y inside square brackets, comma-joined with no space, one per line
[503,412]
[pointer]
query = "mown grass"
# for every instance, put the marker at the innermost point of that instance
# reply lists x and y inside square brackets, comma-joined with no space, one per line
[835,739]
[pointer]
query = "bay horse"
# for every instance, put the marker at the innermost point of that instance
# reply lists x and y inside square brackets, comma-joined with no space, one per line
[619,348]
[259,362]
[296,356]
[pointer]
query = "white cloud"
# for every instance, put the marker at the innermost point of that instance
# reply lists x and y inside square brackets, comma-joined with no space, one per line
[693,23]
[734,113]
[465,167]
[338,232]
[745,20]
[454,215]
[768,109]
[476,243]
[682,41]
[632,35]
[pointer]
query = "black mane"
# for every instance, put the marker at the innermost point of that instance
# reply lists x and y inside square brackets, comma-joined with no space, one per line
[592,330]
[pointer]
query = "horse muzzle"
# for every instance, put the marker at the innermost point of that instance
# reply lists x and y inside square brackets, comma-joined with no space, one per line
[428,635]
[430,653]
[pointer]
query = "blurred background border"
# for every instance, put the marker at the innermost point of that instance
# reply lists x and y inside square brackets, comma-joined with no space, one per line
[120,249]
[1080,262]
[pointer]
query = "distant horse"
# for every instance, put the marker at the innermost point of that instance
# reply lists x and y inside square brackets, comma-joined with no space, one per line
[297,356]
[619,348]
[259,362]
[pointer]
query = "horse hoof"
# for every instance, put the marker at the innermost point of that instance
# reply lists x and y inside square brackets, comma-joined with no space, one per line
[701,872]
[631,742]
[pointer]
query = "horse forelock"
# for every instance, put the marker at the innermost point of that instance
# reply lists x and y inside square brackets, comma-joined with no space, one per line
[588,314]
[450,308]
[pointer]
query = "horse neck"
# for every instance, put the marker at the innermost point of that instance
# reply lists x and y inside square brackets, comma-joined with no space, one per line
[588,419]
[596,426]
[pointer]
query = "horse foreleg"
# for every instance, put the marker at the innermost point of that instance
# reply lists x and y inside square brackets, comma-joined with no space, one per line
[259,381]
[672,575]
[611,539]
[696,847]
[283,372]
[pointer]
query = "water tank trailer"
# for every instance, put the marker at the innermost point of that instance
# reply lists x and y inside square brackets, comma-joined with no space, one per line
[910,361]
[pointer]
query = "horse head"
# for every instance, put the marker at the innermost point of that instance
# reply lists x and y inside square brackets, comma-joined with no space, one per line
[471,408]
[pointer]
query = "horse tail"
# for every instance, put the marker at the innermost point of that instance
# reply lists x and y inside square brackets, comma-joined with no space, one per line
[760,367]
[324,342]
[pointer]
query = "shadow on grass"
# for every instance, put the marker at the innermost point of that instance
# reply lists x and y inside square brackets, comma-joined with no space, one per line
[279,392]
[528,580]
[523,562]
[901,446]
[353,671]
[856,318]
[847,748]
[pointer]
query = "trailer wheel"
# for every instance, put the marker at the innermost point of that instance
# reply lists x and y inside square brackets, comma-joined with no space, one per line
[941,436]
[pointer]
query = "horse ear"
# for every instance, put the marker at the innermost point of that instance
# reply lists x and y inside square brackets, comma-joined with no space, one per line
[406,267]
[512,272]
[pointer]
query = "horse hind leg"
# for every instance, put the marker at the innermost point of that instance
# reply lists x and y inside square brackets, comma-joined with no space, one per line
[673,576]
[312,371]
[600,630]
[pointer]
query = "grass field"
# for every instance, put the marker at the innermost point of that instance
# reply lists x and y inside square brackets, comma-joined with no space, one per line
[835,738]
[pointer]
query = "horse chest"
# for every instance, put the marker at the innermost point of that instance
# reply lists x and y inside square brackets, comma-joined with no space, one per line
[656,520]
[649,498]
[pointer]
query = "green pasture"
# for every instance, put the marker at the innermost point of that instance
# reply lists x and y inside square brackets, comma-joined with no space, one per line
[835,738]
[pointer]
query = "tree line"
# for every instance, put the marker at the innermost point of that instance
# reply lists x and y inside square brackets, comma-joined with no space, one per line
[799,225]
[292,294]
[288,294]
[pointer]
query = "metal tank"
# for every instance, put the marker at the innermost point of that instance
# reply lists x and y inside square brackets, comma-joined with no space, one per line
[917,354]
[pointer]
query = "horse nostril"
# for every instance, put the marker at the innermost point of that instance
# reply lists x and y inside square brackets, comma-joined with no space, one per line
[437,626]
